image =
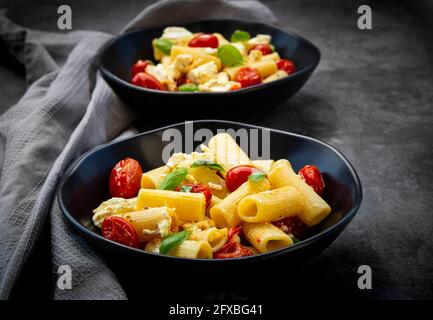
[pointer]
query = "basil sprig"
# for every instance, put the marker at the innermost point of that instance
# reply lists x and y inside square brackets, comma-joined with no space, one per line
[256,176]
[209,164]
[295,240]
[164,45]
[172,241]
[188,87]
[173,179]
[240,36]
[230,56]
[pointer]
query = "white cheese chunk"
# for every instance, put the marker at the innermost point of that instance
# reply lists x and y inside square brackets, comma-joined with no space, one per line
[220,83]
[203,73]
[162,74]
[174,33]
[259,39]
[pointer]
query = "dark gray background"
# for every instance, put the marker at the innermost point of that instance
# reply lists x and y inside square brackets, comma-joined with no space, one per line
[371,97]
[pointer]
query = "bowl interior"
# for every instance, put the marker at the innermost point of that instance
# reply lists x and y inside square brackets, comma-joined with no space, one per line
[119,56]
[85,185]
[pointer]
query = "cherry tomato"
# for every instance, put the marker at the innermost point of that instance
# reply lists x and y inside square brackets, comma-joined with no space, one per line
[199,188]
[119,230]
[312,176]
[139,66]
[125,178]
[236,176]
[286,65]
[204,40]
[182,80]
[248,77]
[232,249]
[264,48]
[293,225]
[145,80]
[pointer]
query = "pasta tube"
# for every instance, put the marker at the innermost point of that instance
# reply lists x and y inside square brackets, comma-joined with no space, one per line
[193,249]
[189,206]
[272,56]
[265,67]
[227,152]
[264,165]
[210,178]
[315,209]
[265,237]
[271,205]
[153,178]
[225,213]
[217,238]
[153,222]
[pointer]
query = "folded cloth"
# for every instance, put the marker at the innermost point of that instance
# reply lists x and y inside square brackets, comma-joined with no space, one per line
[67,110]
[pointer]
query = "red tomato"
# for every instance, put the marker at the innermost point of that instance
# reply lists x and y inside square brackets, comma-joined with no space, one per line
[125,178]
[286,65]
[232,249]
[204,40]
[182,80]
[293,225]
[312,176]
[236,176]
[145,80]
[248,77]
[139,66]
[264,48]
[199,188]
[119,230]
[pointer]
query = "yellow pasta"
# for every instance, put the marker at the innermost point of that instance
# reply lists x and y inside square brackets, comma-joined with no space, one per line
[272,56]
[227,152]
[315,209]
[189,206]
[217,238]
[264,165]
[210,178]
[153,178]
[265,236]
[225,213]
[199,55]
[152,222]
[265,67]
[271,205]
[193,249]
[233,71]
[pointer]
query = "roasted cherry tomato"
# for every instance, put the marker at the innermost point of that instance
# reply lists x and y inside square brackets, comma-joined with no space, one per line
[264,48]
[312,176]
[248,77]
[139,66]
[182,80]
[125,178]
[286,65]
[119,230]
[145,80]
[236,176]
[232,249]
[293,225]
[204,40]
[198,188]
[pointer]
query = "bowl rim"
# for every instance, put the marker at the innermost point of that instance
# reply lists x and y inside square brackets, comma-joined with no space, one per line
[109,75]
[297,246]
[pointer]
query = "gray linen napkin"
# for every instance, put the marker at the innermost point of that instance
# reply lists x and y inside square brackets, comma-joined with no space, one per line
[67,110]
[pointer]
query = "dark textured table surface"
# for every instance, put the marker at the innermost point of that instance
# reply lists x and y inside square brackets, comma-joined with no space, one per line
[371,97]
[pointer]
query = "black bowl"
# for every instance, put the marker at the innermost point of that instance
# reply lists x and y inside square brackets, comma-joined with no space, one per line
[118,56]
[85,186]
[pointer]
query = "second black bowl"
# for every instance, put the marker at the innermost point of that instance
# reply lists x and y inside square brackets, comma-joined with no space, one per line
[118,56]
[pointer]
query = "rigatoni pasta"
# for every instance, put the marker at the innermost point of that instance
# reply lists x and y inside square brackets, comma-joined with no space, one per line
[217,203]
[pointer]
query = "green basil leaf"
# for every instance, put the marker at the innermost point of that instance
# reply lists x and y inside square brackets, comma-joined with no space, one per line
[188,87]
[256,176]
[295,240]
[172,241]
[230,56]
[185,188]
[164,46]
[209,164]
[240,36]
[173,179]
[272,47]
